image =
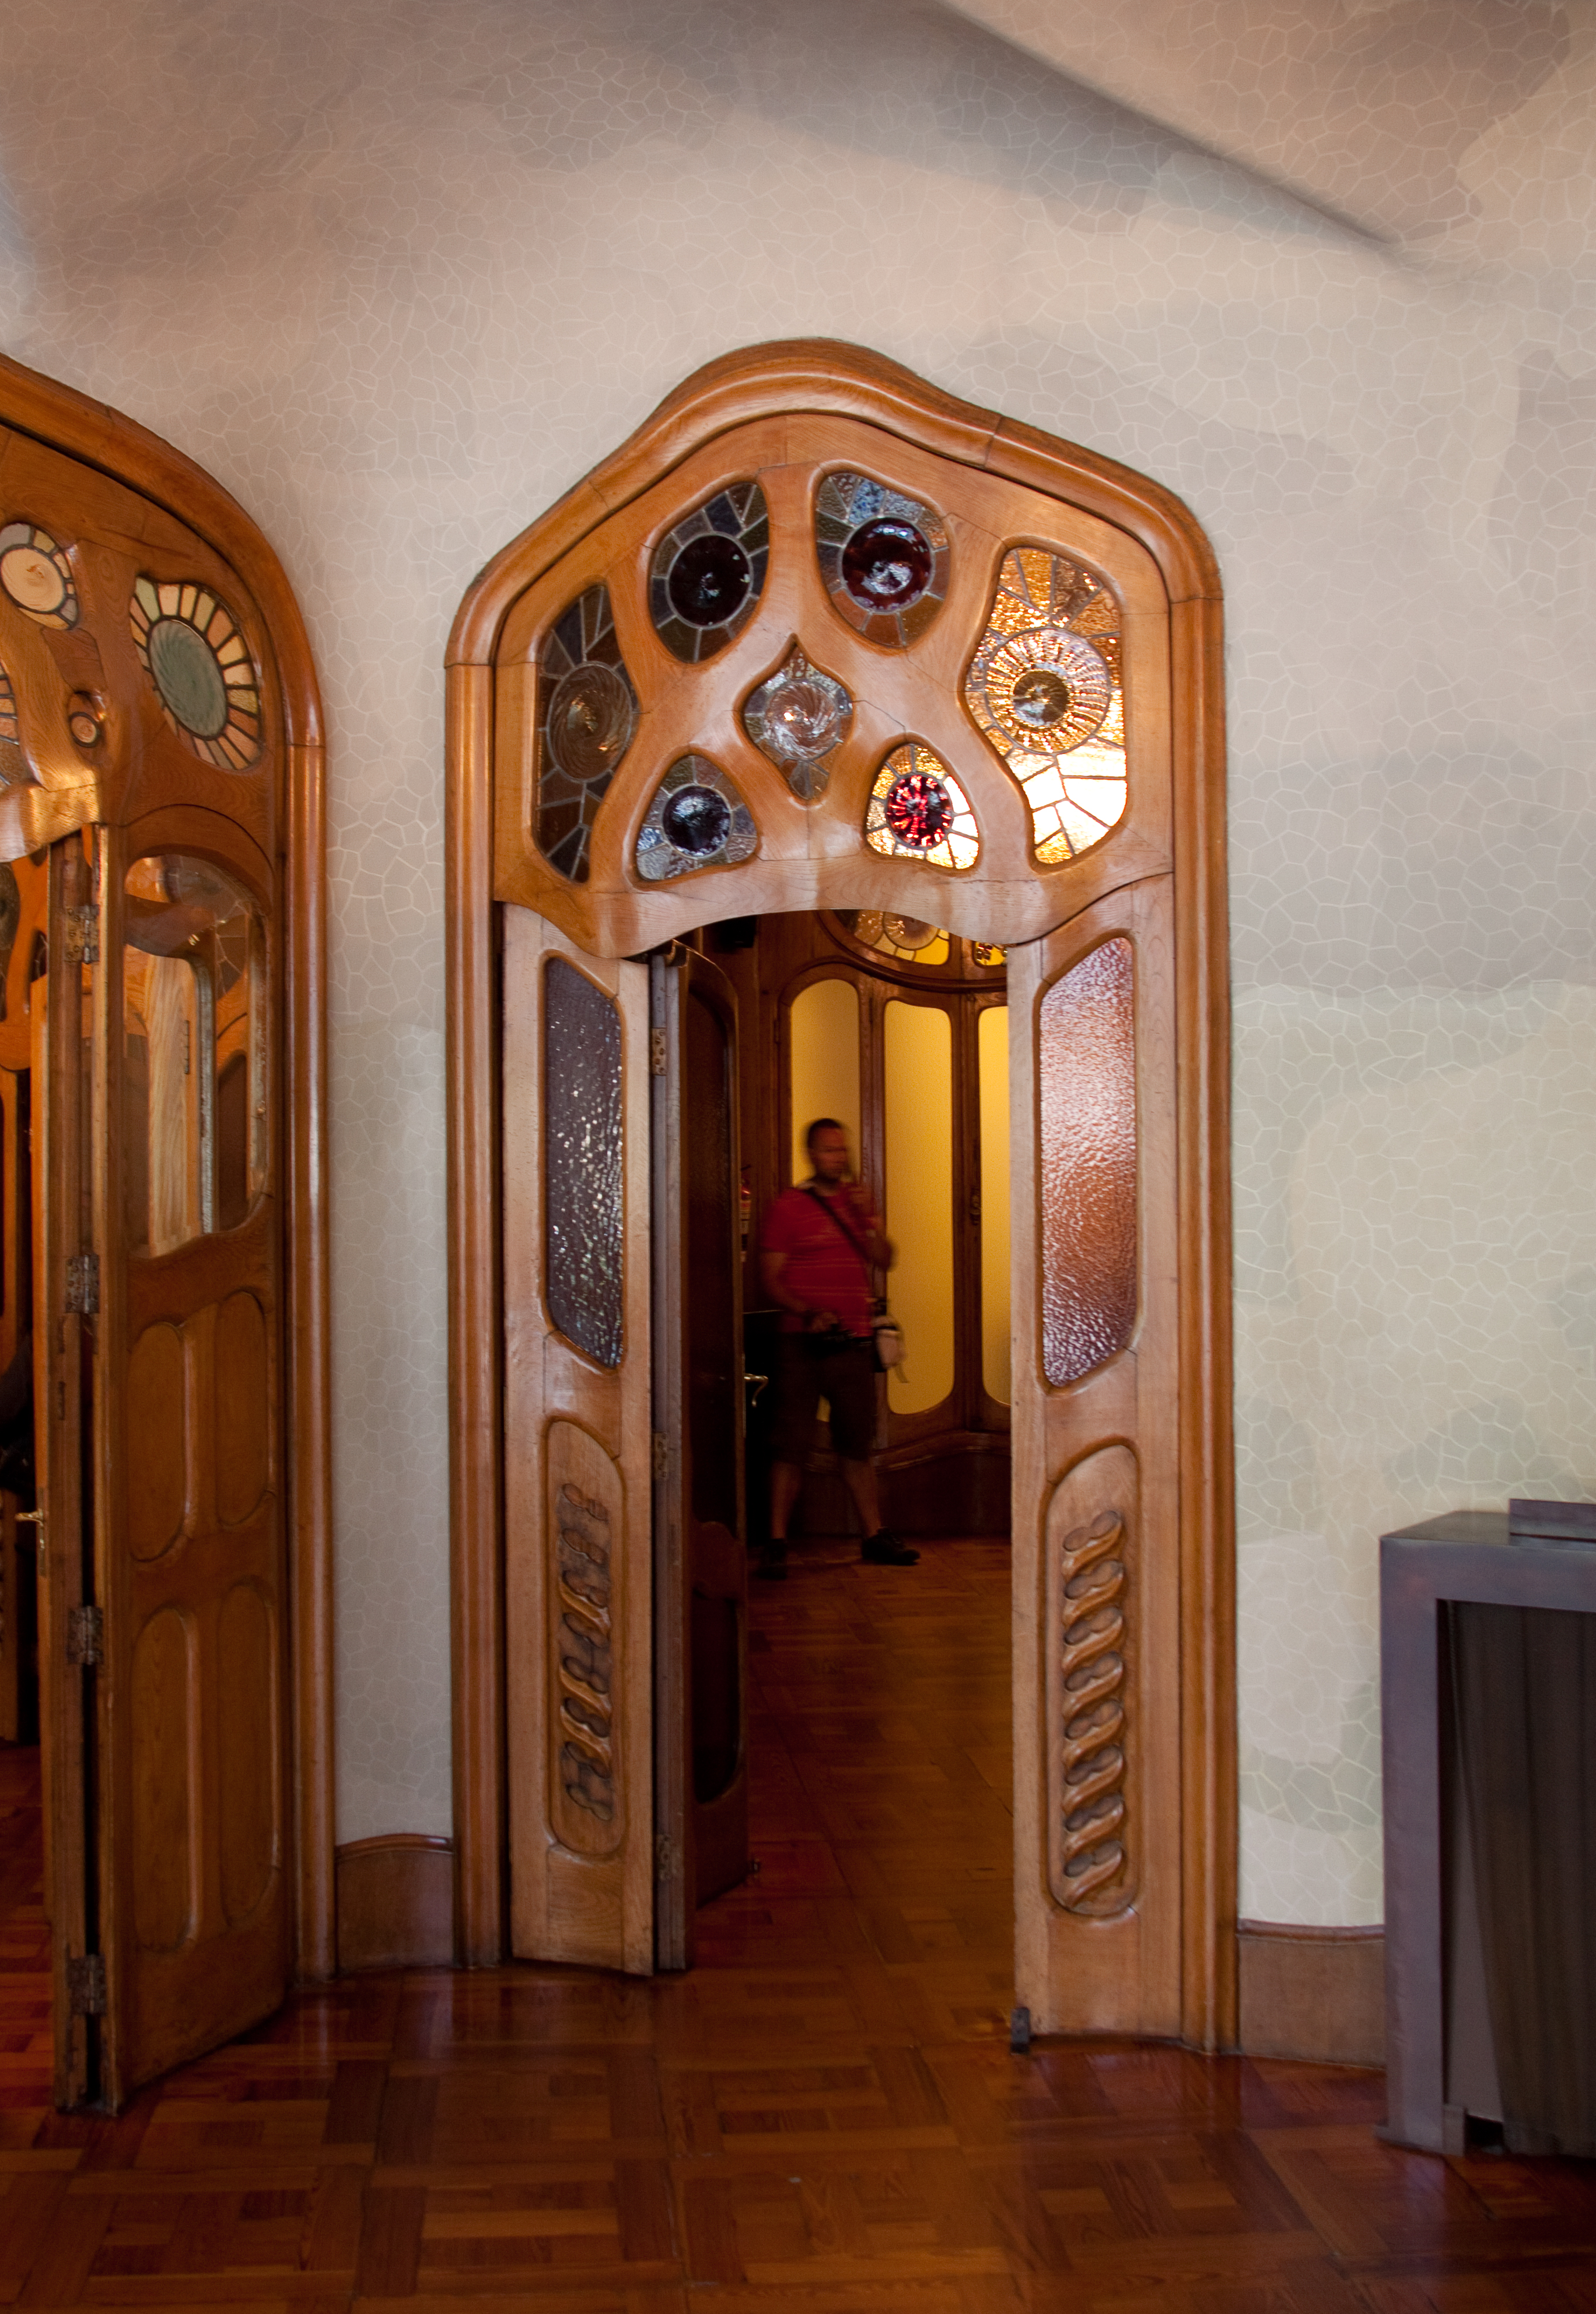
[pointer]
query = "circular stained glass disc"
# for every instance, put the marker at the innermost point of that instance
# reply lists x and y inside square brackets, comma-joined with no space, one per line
[189,677]
[912,932]
[807,717]
[696,819]
[886,565]
[1042,698]
[590,719]
[32,580]
[918,810]
[710,580]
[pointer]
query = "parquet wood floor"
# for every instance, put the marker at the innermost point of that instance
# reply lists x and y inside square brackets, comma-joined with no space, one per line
[821,2118]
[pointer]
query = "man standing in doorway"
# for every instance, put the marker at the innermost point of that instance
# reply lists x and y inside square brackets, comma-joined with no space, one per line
[820,1240]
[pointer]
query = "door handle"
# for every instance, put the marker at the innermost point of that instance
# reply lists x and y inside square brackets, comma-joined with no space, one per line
[760,1382]
[34,1519]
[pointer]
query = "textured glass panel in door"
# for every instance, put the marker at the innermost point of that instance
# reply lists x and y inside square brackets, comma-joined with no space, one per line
[194,1071]
[1087,1069]
[918,1041]
[992,1059]
[582,1185]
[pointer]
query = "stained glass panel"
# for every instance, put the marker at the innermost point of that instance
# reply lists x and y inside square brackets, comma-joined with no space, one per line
[708,573]
[907,940]
[13,767]
[1046,689]
[799,718]
[1087,1068]
[189,646]
[588,713]
[36,572]
[884,557]
[697,819]
[582,1214]
[919,811]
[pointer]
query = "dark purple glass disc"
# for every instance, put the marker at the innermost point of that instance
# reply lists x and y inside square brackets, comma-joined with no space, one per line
[886,565]
[918,810]
[697,820]
[710,580]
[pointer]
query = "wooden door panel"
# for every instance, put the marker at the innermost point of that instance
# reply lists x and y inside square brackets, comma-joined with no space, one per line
[578,1457]
[1097,1545]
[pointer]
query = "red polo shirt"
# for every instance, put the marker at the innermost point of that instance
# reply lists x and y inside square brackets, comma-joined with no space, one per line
[822,1267]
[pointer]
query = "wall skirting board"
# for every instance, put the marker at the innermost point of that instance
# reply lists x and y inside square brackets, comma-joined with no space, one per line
[396,1902]
[1313,1994]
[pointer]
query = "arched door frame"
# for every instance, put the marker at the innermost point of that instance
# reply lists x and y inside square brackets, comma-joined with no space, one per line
[825,379]
[88,431]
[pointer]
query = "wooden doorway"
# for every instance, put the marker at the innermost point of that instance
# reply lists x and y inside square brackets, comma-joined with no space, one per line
[161,1079]
[672,702]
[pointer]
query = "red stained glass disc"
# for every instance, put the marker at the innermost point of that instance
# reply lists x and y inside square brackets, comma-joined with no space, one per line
[886,565]
[918,809]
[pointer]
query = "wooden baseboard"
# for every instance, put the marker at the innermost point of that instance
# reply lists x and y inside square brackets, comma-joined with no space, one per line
[1312,1993]
[396,1902]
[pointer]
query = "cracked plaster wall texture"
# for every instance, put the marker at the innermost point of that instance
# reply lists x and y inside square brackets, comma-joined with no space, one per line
[400,275]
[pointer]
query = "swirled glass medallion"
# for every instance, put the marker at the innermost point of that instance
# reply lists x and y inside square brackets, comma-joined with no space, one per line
[588,713]
[697,819]
[583,1191]
[798,718]
[708,573]
[919,811]
[1046,689]
[882,556]
[36,572]
[1087,1074]
[189,646]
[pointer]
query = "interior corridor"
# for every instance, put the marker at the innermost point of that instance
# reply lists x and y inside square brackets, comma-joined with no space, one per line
[825,2116]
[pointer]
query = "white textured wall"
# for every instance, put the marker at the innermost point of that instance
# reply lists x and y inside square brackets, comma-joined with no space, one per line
[399,274]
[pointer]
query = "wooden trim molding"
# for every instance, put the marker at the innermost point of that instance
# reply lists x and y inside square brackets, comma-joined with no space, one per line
[79,427]
[396,1902]
[1317,1995]
[816,389]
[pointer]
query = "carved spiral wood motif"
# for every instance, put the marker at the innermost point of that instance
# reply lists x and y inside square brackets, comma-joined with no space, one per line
[1091,1525]
[583,1533]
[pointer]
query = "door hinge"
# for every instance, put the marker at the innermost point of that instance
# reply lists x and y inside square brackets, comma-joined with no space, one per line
[667,1862]
[82,934]
[85,1634]
[83,1284]
[662,1455]
[85,1984]
[657,1051]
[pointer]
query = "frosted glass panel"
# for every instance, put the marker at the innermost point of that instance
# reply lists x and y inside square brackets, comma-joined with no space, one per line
[1088,1071]
[823,1044]
[582,1153]
[993,1053]
[918,1063]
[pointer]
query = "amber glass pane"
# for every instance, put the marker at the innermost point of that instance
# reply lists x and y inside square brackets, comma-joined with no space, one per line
[993,1058]
[823,1047]
[582,1194]
[1088,1071]
[918,1056]
[194,1058]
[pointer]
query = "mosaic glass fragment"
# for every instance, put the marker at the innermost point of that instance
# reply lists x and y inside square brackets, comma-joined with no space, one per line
[11,733]
[583,1205]
[907,940]
[697,819]
[37,574]
[588,713]
[919,811]
[1046,689]
[708,573]
[884,557]
[799,718]
[189,646]
[990,958]
[1087,1074]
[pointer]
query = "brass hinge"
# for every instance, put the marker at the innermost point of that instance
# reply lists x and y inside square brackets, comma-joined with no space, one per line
[667,1862]
[85,1985]
[657,1051]
[662,1455]
[82,934]
[85,1634]
[83,1284]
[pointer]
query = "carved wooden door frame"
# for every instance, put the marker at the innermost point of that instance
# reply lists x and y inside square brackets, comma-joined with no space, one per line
[69,788]
[804,395]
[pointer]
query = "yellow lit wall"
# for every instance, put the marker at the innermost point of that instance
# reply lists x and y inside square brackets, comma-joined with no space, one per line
[994,1056]
[919,1058]
[824,1049]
